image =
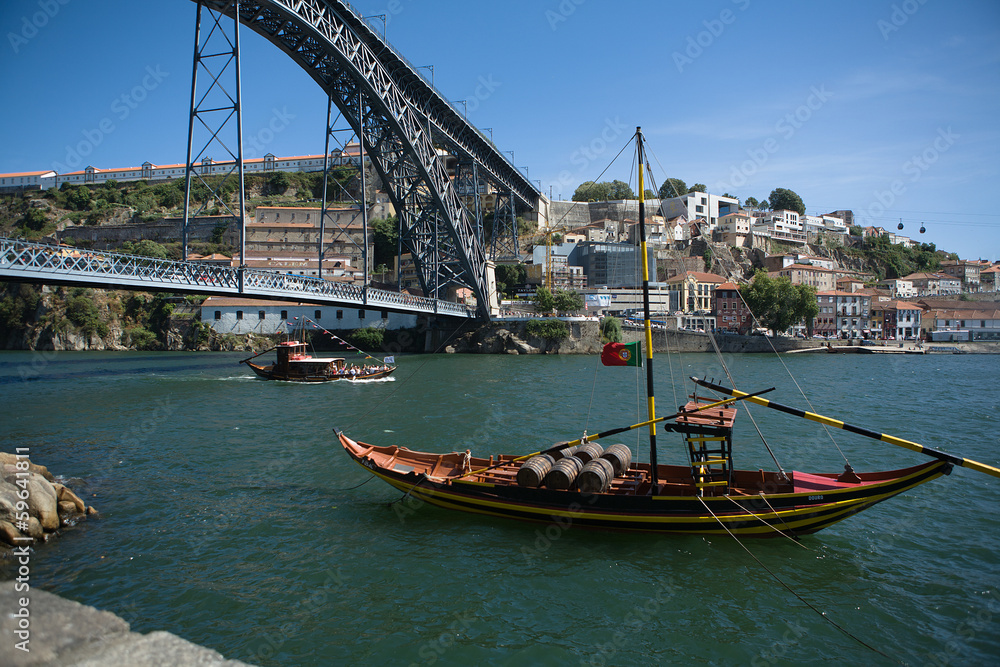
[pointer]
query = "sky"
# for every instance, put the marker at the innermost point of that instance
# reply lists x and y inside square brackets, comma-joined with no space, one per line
[888,108]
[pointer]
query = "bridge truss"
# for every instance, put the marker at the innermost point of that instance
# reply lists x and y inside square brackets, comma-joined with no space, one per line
[402,121]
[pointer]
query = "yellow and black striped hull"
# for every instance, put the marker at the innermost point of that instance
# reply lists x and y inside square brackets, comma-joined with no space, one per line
[761,515]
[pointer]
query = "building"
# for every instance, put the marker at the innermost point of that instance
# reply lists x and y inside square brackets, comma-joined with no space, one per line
[700,206]
[734,228]
[982,323]
[898,288]
[934,284]
[731,313]
[966,271]
[807,274]
[844,314]
[27,180]
[896,320]
[628,301]
[228,315]
[612,264]
[695,290]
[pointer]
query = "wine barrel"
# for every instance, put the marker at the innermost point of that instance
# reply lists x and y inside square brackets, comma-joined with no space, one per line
[563,473]
[620,457]
[588,452]
[533,471]
[596,476]
[563,453]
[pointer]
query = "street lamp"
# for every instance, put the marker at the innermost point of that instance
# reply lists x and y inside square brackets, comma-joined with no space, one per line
[378,16]
[490,130]
[431,68]
[465,105]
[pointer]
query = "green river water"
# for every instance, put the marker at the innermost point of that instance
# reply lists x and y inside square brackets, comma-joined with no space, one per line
[227,515]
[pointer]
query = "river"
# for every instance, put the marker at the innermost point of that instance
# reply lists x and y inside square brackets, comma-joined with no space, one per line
[230,516]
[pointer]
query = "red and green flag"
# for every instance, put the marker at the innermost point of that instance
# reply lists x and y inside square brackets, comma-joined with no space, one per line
[622,354]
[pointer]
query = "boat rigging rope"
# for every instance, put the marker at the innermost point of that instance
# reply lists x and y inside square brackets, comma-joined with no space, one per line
[725,368]
[771,526]
[792,377]
[789,589]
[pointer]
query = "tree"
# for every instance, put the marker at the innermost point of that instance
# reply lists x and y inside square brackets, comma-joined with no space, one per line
[672,187]
[509,276]
[782,199]
[751,203]
[776,303]
[566,300]
[385,237]
[648,194]
[763,204]
[620,190]
[35,219]
[698,187]
[611,330]
[551,329]
[807,305]
[544,300]
[856,230]
[591,191]
[145,248]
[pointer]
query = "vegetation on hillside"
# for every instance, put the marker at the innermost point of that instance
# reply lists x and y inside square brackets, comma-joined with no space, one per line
[550,329]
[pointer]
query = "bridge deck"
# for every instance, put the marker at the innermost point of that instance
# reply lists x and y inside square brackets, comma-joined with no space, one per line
[23,261]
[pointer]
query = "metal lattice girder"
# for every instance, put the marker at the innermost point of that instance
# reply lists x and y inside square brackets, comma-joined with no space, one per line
[320,36]
[23,261]
[504,246]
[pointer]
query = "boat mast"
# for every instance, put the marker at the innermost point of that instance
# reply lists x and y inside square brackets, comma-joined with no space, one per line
[650,402]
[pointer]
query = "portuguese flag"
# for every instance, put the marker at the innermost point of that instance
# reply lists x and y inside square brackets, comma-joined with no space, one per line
[620,354]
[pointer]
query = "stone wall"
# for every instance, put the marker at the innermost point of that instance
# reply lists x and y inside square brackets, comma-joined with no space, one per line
[162,231]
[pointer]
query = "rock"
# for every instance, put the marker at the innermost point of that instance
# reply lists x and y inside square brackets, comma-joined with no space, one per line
[67,508]
[64,494]
[42,502]
[9,534]
[35,529]
[11,459]
[91,511]
[8,502]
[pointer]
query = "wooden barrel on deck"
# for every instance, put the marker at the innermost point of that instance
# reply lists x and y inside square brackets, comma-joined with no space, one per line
[563,453]
[620,457]
[588,452]
[533,471]
[563,473]
[596,476]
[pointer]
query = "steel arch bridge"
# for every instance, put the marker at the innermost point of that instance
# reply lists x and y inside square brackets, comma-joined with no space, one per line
[401,120]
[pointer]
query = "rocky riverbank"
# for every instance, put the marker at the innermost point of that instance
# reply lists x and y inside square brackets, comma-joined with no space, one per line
[34,506]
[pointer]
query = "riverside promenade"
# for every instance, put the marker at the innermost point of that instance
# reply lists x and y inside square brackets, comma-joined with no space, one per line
[66,633]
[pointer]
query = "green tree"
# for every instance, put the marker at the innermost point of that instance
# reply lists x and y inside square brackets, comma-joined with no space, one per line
[368,338]
[35,219]
[385,236]
[672,187]
[544,300]
[79,198]
[509,276]
[775,302]
[611,329]
[550,329]
[857,230]
[751,203]
[706,257]
[782,199]
[648,194]
[145,248]
[591,191]
[620,190]
[82,311]
[807,306]
[698,187]
[566,300]
[279,181]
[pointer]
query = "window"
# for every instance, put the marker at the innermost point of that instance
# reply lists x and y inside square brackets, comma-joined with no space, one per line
[340,314]
[261,314]
[361,314]
[284,314]
[218,314]
[385,316]
[239,314]
[318,314]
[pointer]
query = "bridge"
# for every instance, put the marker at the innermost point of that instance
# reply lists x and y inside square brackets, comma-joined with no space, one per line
[21,261]
[408,130]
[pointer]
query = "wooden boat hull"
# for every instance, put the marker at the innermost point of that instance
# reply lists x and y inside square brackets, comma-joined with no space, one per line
[271,372]
[804,505]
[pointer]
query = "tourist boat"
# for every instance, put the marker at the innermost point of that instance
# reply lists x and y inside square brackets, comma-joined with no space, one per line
[295,364]
[578,483]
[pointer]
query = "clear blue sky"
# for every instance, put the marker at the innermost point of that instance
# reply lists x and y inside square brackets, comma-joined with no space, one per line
[887,108]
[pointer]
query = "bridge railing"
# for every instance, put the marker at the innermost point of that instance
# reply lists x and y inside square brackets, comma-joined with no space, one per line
[28,257]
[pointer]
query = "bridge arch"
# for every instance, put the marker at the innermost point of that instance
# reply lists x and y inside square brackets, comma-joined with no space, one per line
[330,42]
